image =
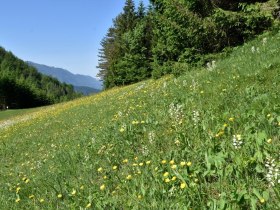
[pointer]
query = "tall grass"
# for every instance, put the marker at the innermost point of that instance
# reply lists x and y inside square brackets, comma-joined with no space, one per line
[206,140]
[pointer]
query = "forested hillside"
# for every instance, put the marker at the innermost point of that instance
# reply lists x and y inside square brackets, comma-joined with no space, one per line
[21,86]
[174,36]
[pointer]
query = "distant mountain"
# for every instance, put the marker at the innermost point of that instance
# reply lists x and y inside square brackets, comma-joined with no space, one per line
[22,86]
[85,90]
[82,83]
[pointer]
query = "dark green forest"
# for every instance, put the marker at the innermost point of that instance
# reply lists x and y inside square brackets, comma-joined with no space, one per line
[22,86]
[172,36]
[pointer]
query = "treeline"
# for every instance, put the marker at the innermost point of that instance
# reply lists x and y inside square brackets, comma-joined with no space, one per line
[170,36]
[22,86]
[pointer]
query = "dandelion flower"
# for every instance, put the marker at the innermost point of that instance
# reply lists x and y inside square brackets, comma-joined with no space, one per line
[174,166]
[183,163]
[163,161]
[115,167]
[88,206]
[41,200]
[177,142]
[269,141]
[167,180]
[18,189]
[122,130]
[125,161]
[262,200]
[129,177]
[102,187]
[100,169]
[148,162]
[183,185]
[171,162]
[105,177]
[174,178]
[189,163]
[31,196]
[166,174]
[73,192]
[141,164]
[17,200]
[231,119]
[59,195]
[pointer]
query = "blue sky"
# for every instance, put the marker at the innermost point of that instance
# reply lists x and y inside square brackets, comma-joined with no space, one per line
[60,33]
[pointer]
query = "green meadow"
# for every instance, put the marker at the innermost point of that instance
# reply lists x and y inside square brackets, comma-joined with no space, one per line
[208,139]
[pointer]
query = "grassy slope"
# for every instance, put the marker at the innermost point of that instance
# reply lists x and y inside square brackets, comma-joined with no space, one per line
[70,149]
[11,113]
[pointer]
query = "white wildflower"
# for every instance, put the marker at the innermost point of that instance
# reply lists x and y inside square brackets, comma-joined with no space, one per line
[211,65]
[196,117]
[264,40]
[272,175]
[176,113]
[151,137]
[237,141]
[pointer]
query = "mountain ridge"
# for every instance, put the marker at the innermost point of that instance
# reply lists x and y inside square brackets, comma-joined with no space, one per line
[63,75]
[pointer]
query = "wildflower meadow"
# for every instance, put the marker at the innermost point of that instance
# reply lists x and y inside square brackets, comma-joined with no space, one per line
[208,139]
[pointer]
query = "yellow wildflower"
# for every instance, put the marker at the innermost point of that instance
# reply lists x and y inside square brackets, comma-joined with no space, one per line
[174,178]
[129,177]
[189,163]
[17,200]
[59,195]
[73,192]
[82,187]
[31,196]
[121,129]
[115,167]
[139,197]
[18,189]
[165,174]
[183,185]
[100,169]
[174,166]
[102,187]
[41,200]
[88,206]
[177,142]
[125,161]
[163,161]
[167,180]
[262,200]
[141,164]
[148,162]
[183,163]
[269,141]
[231,119]
[171,162]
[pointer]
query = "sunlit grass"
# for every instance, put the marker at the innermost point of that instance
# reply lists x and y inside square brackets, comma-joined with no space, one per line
[206,140]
